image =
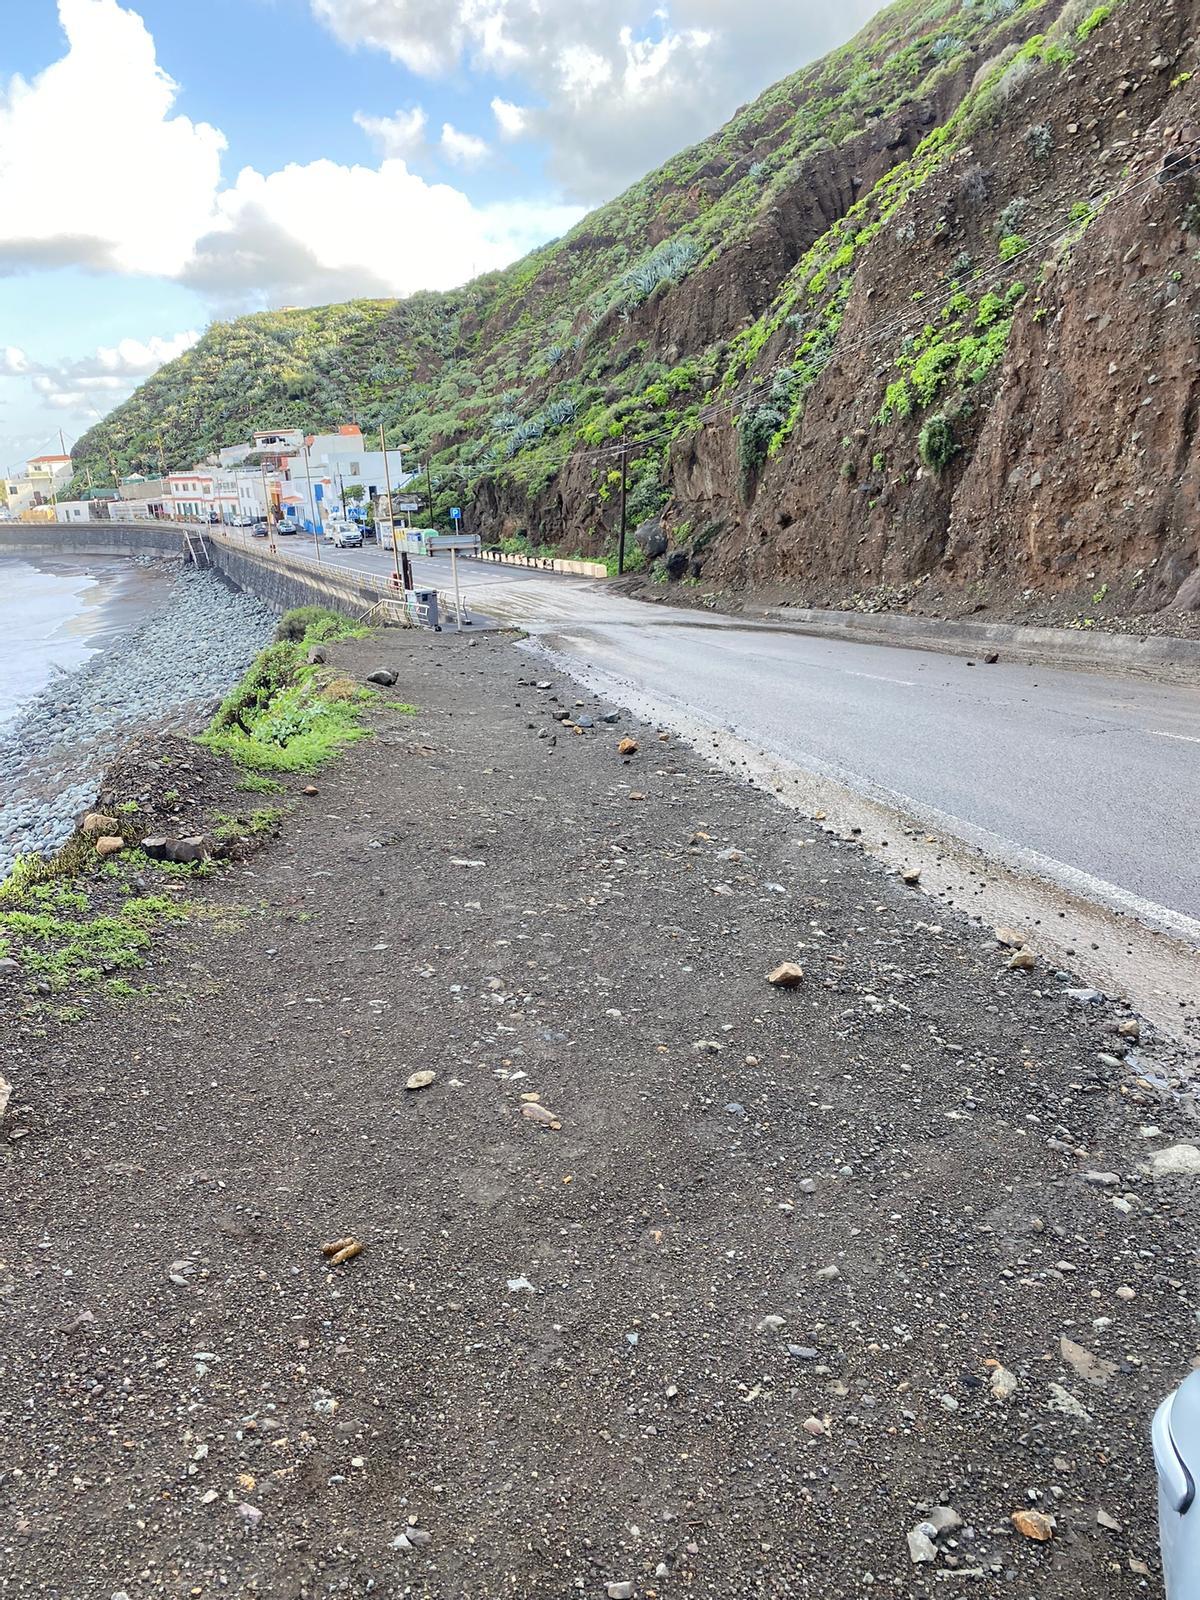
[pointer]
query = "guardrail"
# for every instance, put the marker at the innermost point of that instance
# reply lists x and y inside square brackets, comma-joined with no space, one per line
[574,569]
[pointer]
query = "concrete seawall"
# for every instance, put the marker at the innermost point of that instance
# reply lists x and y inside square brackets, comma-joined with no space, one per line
[278,584]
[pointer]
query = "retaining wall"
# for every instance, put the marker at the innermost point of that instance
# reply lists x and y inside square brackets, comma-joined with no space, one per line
[278,583]
[575,569]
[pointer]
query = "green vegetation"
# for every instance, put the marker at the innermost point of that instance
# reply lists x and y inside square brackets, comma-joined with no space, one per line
[573,346]
[47,928]
[937,444]
[251,826]
[286,714]
[1093,21]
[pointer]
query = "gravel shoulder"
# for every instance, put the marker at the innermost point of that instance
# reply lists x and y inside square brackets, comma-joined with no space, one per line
[796,1267]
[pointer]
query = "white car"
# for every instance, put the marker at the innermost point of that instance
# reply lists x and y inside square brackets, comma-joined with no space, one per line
[343,533]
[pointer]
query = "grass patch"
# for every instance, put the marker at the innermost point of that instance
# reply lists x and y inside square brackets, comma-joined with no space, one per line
[258,783]
[286,715]
[54,938]
[257,823]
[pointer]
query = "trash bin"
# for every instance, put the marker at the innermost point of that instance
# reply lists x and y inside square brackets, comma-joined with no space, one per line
[424,605]
[1176,1435]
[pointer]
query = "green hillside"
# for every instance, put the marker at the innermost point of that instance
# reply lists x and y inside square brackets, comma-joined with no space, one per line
[499,381]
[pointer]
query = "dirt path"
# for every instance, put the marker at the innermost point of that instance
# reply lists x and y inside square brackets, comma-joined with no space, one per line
[723,1332]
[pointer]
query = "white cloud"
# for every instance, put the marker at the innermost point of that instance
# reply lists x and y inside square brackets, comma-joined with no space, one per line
[511,120]
[614,86]
[463,149]
[412,234]
[13,361]
[91,139]
[401,135]
[98,380]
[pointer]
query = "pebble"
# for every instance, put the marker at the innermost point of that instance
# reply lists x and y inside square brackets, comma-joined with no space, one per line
[921,1547]
[771,1323]
[619,1591]
[185,654]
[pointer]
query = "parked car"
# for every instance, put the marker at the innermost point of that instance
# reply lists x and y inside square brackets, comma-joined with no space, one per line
[241,522]
[259,529]
[344,533]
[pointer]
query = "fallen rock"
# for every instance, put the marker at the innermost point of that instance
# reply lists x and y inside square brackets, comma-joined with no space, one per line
[1103,1180]
[1177,1161]
[944,1518]
[1105,1521]
[619,1591]
[1130,1028]
[1062,1400]
[109,844]
[310,789]
[183,851]
[814,1426]
[921,1547]
[1010,937]
[155,847]
[1034,1525]
[787,975]
[1002,1383]
[542,1115]
[420,1080]
[5,1094]
[771,1323]
[97,822]
[383,676]
[1022,961]
[627,747]
[8,967]
[911,875]
[1091,1368]
[316,656]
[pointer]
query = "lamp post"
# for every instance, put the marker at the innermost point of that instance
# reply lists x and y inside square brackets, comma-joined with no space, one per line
[317,531]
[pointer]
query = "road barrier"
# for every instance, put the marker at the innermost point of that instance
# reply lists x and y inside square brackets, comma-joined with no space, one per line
[574,569]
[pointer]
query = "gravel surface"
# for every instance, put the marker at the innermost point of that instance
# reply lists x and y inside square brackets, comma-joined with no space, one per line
[783,1290]
[167,671]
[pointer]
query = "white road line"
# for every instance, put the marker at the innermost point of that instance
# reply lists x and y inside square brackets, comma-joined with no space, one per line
[1187,738]
[905,683]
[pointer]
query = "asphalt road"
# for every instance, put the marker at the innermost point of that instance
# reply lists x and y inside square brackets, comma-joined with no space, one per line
[1093,779]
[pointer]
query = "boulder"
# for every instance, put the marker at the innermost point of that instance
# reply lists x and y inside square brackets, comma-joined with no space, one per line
[316,656]
[155,847]
[382,676]
[676,565]
[650,538]
[1187,597]
[109,844]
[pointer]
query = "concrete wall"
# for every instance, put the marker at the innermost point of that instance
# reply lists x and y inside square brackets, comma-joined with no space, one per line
[278,583]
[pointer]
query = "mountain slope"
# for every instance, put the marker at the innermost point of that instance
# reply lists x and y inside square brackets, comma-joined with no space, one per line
[918,318]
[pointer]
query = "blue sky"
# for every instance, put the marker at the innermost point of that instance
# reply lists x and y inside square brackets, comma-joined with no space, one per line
[167,162]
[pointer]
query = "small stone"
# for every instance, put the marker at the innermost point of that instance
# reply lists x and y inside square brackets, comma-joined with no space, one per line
[5,1094]
[828,1273]
[1091,1368]
[316,656]
[1177,1161]
[1034,1525]
[619,1591]
[8,967]
[541,1115]
[184,851]
[1022,961]
[814,1426]
[1130,1028]
[627,747]
[1002,1383]
[771,1323]
[98,822]
[520,1285]
[1010,937]
[945,1519]
[921,1547]
[1105,1521]
[807,1186]
[787,975]
[1084,997]
[1126,1293]
[420,1080]
[911,875]
[1103,1180]
[803,1352]
[249,1514]
[109,844]
[311,789]
[155,846]
[948,1403]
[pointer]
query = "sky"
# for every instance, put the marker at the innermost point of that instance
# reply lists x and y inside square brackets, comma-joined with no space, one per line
[168,163]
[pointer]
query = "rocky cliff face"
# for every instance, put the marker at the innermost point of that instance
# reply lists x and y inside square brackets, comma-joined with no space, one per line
[918,327]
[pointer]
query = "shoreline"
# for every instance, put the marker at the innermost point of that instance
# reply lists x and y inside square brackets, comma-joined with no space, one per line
[163,673]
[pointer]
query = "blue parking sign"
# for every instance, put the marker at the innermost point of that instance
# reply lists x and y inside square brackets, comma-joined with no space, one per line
[455,514]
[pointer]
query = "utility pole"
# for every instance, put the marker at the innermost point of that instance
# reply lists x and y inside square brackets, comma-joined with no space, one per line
[624,487]
[316,514]
[429,489]
[262,467]
[397,578]
[162,460]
